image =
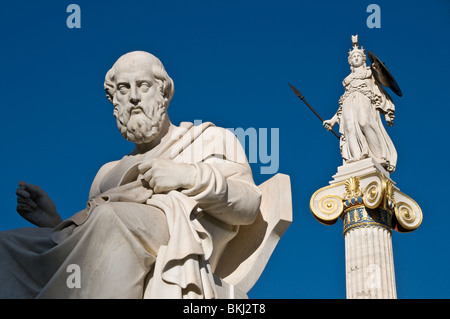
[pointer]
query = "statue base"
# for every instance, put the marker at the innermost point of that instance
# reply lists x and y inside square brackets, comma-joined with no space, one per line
[364,197]
[360,168]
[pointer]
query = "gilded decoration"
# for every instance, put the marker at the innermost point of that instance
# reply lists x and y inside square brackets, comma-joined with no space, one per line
[357,195]
[360,216]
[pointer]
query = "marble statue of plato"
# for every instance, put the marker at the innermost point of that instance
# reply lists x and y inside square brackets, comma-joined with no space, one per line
[157,220]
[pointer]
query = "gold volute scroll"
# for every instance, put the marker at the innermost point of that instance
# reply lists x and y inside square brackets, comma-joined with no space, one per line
[407,212]
[330,208]
[373,194]
[373,191]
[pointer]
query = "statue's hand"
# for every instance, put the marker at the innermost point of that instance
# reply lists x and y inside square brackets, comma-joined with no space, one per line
[329,124]
[164,175]
[35,206]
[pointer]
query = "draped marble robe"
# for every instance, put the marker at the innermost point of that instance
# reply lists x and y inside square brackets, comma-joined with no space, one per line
[362,132]
[132,243]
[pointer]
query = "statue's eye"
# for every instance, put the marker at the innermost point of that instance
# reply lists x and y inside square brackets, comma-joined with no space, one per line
[144,86]
[123,88]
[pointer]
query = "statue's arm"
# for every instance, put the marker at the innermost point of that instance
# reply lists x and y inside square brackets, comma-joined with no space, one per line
[328,124]
[226,191]
[224,186]
[221,182]
[36,206]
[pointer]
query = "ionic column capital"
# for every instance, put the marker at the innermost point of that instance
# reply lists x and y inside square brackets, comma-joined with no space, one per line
[372,190]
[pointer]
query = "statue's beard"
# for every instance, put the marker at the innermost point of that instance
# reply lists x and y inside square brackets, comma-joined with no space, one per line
[141,127]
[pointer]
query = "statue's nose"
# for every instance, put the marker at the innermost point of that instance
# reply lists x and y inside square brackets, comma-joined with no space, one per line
[134,96]
[134,100]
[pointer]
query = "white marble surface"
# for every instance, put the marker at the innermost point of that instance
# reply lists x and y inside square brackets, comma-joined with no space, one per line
[359,115]
[157,221]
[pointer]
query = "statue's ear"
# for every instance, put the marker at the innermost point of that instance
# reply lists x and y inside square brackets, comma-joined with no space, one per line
[166,88]
[109,85]
[109,96]
[170,89]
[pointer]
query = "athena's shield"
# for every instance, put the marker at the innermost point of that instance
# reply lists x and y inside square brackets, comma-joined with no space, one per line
[382,74]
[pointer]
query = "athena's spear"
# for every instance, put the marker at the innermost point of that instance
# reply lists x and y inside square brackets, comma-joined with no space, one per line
[297,92]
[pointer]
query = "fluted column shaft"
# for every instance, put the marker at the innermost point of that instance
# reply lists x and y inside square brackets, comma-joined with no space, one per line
[370,206]
[369,262]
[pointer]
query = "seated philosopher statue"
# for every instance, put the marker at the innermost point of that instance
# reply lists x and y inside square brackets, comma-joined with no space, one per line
[156,221]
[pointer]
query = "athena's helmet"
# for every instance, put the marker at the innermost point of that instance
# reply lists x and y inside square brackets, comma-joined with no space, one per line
[356,49]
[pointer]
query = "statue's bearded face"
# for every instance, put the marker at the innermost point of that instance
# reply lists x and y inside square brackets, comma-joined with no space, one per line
[138,103]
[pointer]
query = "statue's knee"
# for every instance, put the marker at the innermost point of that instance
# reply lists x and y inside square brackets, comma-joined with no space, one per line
[9,238]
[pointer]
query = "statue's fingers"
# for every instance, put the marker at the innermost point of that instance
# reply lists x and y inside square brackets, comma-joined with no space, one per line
[27,201]
[161,188]
[23,208]
[30,187]
[152,184]
[145,166]
[22,193]
[25,185]
[148,175]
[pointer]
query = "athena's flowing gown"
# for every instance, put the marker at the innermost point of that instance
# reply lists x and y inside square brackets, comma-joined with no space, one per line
[362,132]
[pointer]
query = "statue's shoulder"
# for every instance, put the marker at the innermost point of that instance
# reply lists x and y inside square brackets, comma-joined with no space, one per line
[105,168]
[205,128]
[219,133]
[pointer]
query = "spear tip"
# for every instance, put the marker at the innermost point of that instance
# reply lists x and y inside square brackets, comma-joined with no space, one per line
[297,92]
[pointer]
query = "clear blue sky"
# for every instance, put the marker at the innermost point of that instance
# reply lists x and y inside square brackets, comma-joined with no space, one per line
[231,62]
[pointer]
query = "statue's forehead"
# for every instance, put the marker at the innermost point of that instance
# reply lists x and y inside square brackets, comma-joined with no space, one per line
[133,69]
